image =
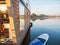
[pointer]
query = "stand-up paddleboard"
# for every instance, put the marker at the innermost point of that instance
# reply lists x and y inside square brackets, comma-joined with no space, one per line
[40,40]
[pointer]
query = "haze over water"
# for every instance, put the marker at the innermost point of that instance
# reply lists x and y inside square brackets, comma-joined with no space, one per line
[48,7]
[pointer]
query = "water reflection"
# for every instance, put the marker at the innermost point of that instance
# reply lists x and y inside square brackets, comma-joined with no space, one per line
[50,26]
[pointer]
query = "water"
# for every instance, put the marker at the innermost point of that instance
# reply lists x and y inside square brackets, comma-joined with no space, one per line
[50,26]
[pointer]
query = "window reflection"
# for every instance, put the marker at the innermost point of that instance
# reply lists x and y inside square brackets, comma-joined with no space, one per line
[7,33]
[4,23]
[22,22]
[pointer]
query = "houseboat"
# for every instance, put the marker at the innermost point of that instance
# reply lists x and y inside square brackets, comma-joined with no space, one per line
[14,21]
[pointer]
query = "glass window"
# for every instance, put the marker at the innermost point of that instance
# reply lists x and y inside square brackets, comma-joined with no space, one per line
[4,23]
[22,21]
[7,32]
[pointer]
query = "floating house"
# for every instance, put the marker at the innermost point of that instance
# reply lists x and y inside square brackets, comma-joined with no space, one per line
[14,21]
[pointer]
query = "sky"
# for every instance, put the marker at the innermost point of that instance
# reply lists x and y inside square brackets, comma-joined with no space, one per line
[48,7]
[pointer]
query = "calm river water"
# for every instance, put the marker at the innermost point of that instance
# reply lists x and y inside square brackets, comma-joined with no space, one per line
[50,26]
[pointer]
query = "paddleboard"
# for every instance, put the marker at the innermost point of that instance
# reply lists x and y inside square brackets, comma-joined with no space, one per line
[40,40]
